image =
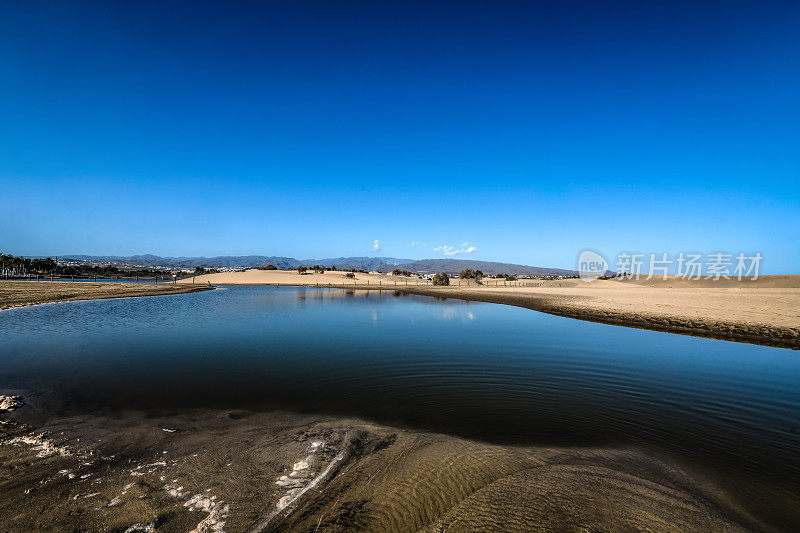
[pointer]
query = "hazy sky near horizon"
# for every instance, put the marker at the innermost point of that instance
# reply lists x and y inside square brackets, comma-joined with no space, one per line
[509,131]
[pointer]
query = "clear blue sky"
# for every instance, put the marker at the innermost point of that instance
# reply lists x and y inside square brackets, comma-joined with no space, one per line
[527,130]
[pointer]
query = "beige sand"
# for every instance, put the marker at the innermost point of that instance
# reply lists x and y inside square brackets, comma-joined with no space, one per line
[24,293]
[765,311]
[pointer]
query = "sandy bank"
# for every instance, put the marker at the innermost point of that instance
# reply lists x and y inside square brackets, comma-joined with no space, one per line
[765,311]
[760,316]
[24,293]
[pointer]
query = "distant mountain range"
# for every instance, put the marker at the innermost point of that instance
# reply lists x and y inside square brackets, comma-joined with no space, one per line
[381,264]
[454,266]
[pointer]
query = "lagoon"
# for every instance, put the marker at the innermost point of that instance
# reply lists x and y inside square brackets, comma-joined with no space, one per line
[482,371]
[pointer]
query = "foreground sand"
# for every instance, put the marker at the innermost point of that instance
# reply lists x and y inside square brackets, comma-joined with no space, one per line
[23,293]
[765,311]
[241,471]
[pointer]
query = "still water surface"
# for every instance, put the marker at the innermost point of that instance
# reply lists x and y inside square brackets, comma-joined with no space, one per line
[492,372]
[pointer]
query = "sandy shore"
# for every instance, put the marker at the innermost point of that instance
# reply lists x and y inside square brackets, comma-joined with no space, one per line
[765,311]
[242,471]
[24,293]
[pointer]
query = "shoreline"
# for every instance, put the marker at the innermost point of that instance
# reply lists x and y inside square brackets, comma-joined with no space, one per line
[574,307]
[764,335]
[560,303]
[49,292]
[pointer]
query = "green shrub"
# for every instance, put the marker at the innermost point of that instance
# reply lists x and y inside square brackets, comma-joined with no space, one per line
[468,273]
[441,278]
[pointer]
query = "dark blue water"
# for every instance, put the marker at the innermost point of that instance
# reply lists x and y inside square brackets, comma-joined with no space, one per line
[485,371]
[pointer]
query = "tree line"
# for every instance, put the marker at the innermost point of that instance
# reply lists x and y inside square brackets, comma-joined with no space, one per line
[11,265]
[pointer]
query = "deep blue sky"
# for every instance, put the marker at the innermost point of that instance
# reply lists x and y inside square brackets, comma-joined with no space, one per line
[529,130]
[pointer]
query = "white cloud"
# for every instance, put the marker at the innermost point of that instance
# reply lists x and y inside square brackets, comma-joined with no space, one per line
[415,243]
[446,250]
[453,250]
[376,245]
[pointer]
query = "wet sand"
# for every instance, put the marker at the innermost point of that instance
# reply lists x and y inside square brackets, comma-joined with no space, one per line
[23,293]
[241,471]
[765,311]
